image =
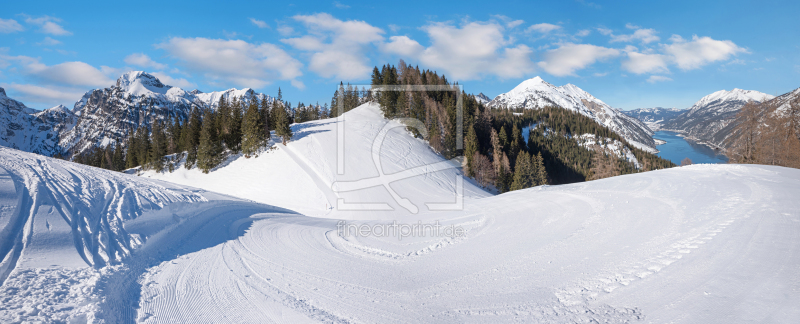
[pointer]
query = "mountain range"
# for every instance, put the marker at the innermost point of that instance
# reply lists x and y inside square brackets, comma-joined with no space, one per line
[709,120]
[105,116]
[536,93]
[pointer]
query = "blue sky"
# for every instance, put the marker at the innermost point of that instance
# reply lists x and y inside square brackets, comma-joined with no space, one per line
[630,54]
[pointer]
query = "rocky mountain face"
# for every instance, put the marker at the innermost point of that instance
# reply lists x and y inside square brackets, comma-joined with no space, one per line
[709,119]
[536,93]
[482,98]
[105,116]
[28,130]
[654,118]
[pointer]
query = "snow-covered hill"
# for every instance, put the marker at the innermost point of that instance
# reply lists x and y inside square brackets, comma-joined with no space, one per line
[308,166]
[709,119]
[137,99]
[654,118]
[536,93]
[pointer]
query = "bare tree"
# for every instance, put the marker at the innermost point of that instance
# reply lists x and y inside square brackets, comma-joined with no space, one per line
[686,161]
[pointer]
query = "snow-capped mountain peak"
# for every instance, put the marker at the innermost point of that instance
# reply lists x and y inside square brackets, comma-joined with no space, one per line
[141,83]
[536,93]
[718,98]
[137,99]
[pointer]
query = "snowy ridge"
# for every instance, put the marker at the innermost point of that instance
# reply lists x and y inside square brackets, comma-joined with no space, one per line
[709,119]
[536,93]
[307,164]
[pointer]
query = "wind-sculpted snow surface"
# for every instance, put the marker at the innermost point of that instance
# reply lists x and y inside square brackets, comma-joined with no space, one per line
[697,244]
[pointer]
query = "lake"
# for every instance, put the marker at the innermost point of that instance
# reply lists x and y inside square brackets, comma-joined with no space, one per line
[678,148]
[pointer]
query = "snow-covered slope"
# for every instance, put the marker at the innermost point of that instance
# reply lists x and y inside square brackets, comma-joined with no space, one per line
[65,227]
[308,166]
[30,130]
[536,93]
[709,119]
[698,244]
[654,118]
[137,99]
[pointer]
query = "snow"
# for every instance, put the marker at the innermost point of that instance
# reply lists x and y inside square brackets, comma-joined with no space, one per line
[719,100]
[308,165]
[694,244]
[614,146]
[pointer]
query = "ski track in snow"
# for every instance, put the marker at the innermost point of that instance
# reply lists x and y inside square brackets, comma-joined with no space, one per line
[696,244]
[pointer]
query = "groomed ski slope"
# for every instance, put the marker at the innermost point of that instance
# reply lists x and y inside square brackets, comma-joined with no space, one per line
[696,244]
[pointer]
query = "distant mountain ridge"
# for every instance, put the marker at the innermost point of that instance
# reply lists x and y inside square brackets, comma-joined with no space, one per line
[654,118]
[709,119]
[536,93]
[105,116]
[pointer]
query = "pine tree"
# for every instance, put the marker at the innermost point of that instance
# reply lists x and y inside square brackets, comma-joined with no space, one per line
[209,152]
[265,120]
[234,138]
[522,172]
[541,173]
[282,128]
[470,147]
[252,130]
[130,156]
[158,147]
[118,159]
[191,137]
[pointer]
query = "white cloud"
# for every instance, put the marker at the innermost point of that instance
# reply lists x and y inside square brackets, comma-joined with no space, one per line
[583,33]
[605,31]
[403,46]
[473,50]
[689,55]
[10,26]
[338,46]
[394,28]
[67,73]
[543,28]
[48,25]
[142,60]
[259,23]
[285,30]
[657,78]
[49,96]
[49,41]
[645,63]
[340,5]
[569,58]
[236,61]
[515,23]
[646,36]
[632,26]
